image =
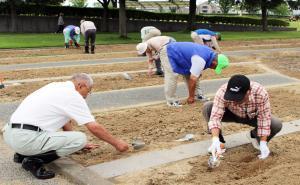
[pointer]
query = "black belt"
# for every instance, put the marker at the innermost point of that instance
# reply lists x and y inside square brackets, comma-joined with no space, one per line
[25,126]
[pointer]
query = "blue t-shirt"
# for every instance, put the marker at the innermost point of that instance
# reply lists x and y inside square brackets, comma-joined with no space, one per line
[180,55]
[205,32]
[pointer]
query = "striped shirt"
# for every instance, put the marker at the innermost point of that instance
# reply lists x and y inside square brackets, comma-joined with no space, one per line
[258,107]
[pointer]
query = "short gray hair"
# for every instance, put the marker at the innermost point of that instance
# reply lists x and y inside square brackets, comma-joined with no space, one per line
[83,77]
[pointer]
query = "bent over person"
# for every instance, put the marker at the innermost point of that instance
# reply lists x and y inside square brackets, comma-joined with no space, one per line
[72,34]
[207,37]
[189,60]
[33,131]
[147,33]
[152,49]
[245,102]
[88,30]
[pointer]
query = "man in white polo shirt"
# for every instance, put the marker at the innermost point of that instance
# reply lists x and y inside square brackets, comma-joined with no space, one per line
[33,131]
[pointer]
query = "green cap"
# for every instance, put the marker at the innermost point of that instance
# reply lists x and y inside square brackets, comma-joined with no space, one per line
[223,62]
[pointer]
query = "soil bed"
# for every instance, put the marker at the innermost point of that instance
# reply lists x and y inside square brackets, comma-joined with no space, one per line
[121,50]
[240,166]
[159,126]
[15,93]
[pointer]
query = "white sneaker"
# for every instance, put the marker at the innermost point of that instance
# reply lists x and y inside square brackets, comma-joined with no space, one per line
[253,141]
[174,104]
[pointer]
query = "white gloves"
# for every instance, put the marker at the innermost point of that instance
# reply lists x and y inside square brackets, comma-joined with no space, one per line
[264,150]
[215,147]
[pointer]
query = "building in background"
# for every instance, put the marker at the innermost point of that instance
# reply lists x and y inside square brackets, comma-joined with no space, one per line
[203,6]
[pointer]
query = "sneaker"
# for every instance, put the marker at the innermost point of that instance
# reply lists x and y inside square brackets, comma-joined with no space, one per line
[253,141]
[201,97]
[223,149]
[174,104]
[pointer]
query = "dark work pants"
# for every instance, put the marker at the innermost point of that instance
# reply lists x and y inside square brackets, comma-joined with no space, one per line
[90,36]
[228,116]
[60,28]
[158,65]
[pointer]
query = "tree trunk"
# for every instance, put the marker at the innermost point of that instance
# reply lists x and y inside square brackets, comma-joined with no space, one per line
[264,19]
[13,16]
[192,15]
[122,19]
[105,19]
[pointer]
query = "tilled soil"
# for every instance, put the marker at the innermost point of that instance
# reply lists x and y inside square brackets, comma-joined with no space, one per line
[159,126]
[107,83]
[121,50]
[285,62]
[240,166]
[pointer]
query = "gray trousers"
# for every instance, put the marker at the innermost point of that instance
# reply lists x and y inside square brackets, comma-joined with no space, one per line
[228,116]
[28,142]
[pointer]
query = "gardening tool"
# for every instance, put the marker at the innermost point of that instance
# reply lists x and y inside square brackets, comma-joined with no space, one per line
[127,76]
[214,159]
[137,144]
[187,137]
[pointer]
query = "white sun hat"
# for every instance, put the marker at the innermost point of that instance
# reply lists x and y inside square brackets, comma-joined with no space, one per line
[77,30]
[141,48]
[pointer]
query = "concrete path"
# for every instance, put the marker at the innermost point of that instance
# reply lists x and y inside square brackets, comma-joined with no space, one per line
[185,151]
[121,60]
[13,174]
[153,94]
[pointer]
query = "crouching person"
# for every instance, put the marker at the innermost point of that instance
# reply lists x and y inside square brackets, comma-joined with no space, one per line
[245,102]
[33,131]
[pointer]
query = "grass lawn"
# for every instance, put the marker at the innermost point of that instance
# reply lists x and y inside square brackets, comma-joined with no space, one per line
[12,40]
[295,24]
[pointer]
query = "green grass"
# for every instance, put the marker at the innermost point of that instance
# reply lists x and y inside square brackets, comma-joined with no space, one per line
[295,24]
[12,40]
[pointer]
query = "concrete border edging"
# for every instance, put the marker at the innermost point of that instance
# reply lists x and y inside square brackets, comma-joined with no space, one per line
[155,158]
[77,173]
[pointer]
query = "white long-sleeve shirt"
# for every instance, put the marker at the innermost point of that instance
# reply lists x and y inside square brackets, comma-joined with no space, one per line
[87,25]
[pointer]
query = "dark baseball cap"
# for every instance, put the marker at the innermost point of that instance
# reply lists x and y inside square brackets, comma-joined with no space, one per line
[237,87]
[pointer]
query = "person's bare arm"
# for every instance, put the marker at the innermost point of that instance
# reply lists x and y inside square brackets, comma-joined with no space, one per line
[100,132]
[215,132]
[192,86]
[215,44]
[150,61]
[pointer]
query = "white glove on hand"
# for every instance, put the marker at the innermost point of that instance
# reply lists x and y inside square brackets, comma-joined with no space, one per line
[264,150]
[215,147]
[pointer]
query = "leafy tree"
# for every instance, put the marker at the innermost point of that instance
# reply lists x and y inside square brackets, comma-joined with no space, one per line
[79,3]
[293,4]
[282,9]
[264,5]
[114,3]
